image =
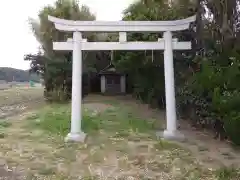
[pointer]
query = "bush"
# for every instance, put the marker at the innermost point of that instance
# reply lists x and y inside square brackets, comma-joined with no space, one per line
[56,96]
[232,124]
[226,105]
[63,94]
[212,96]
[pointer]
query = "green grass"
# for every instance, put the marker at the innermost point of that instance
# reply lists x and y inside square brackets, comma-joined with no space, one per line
[228,173]
[119,123]
[56,119]
[3,125]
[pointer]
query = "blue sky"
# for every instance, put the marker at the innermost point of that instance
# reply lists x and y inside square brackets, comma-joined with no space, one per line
[16,36]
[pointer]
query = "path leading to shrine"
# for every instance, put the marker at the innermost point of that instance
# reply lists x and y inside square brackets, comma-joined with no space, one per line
[211,152]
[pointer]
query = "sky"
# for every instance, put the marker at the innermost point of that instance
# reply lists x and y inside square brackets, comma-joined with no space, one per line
[16,36]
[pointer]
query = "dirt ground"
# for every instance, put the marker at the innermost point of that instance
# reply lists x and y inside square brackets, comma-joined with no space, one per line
[18,100]
[108,154]
[213,153]
[14,102]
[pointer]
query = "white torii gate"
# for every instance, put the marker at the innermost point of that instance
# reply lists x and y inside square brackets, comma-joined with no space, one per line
[77,45]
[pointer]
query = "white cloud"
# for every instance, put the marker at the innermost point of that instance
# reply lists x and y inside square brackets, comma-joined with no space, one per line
[16,37]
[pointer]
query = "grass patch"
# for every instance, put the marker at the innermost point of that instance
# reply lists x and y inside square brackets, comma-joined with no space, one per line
[56,119]
[228,173]
[5,124]
[2,135]
[52,119]
[167,145]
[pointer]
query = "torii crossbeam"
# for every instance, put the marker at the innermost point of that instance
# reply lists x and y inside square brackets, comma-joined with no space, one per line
[77,45]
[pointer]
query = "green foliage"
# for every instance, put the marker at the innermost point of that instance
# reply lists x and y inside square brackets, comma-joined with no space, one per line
[228,173]
[216,94]
[58,96]
[232,123]
[54,66]
[146,68]
[5,124]
[45,31]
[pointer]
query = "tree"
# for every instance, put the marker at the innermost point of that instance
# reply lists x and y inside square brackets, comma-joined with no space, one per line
[56,67]
[145,68]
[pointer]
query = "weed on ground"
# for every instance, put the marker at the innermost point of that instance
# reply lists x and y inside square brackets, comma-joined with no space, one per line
[119,145]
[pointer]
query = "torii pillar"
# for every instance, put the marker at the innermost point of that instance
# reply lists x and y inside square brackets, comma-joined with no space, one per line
[76,133]
[171,131]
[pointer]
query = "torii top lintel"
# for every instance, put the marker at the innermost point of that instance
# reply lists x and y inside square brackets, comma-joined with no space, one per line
[121,26]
